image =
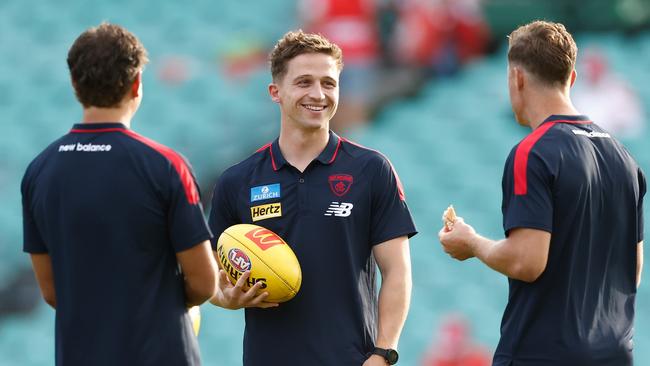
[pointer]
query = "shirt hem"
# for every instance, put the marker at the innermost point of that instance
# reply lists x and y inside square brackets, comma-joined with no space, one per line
[194,242]
[409,233]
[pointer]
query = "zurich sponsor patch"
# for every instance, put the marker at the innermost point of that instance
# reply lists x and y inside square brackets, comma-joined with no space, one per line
[267,192]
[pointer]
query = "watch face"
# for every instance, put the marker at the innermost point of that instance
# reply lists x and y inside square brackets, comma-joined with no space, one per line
[392,356]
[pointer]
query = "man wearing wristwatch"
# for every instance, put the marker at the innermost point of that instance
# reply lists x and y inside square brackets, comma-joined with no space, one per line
[340,207]
[390,355]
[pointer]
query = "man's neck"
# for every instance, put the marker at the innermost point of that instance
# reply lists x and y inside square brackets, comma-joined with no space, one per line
[546,103]
[99,115]
[300,147]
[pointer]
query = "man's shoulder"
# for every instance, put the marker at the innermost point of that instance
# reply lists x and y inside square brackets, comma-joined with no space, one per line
[44,155]
[363,154]
[243,168]
[545,139]
[152,148]
[567,140]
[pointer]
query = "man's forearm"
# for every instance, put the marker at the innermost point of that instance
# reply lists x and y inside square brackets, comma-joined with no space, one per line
[493,254]
[194,296]
[394,300]
[42,265]
[522,256]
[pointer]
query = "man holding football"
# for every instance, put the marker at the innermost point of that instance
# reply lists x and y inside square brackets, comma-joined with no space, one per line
[342,210]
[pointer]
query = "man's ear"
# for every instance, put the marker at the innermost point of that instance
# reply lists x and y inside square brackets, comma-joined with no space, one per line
[572,79]
[520,78]
[274,92]
[135,87]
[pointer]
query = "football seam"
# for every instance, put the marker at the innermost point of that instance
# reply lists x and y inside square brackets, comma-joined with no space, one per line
[262,260]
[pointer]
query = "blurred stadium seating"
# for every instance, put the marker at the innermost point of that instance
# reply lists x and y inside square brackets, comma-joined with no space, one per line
[448,143]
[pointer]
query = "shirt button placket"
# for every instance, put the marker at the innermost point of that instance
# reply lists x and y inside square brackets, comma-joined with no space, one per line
[302,194]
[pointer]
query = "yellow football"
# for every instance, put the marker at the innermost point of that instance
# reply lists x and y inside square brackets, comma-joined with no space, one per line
[270,260]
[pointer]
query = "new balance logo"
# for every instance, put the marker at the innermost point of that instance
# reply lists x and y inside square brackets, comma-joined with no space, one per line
[342,209]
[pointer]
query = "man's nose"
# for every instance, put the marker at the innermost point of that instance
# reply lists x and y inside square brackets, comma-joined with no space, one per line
[316,92]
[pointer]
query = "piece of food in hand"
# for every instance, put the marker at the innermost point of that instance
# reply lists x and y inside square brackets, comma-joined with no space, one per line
[449,217]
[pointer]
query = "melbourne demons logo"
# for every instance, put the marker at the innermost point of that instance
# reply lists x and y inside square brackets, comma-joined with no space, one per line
[340,183]
[239,260]
[264,238]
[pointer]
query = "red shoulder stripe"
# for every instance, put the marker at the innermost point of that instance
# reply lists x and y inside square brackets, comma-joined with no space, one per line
[521,157]
[177,161]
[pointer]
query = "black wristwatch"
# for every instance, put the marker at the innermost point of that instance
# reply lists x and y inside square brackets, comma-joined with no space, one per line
[390,355]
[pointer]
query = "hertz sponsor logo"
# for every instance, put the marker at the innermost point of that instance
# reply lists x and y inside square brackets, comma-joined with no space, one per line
[266,211]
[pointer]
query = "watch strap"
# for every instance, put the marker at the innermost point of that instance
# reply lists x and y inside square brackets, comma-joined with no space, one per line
[390,355]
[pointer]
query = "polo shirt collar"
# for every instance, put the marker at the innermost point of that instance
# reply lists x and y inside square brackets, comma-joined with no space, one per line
[98,127]
[559,118]
[326,157]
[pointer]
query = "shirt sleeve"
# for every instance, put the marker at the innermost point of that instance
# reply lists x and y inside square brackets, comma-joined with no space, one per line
[32,239]
[642,191]
[222,213]
[534,208]
[186,218]
[390,216]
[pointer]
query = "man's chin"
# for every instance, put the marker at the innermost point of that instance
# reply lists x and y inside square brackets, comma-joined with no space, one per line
[316,124]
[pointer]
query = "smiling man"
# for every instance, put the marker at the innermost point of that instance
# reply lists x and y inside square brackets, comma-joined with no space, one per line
[342,210]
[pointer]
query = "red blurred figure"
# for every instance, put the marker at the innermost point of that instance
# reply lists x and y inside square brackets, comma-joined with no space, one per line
[174,70]
[352,25]
[605,94]
[454,346]
[440,35]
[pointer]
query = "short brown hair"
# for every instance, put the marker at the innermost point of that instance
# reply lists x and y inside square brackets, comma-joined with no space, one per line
[104,61]
[296,43]
[545,49]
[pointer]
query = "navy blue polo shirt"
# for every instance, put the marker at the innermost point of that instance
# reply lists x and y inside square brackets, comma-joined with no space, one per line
[112,208]
[571,178]
[346,201]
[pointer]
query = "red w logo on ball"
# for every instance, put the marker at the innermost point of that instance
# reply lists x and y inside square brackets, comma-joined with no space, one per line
[239,260]
[340,183]
[264,238]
